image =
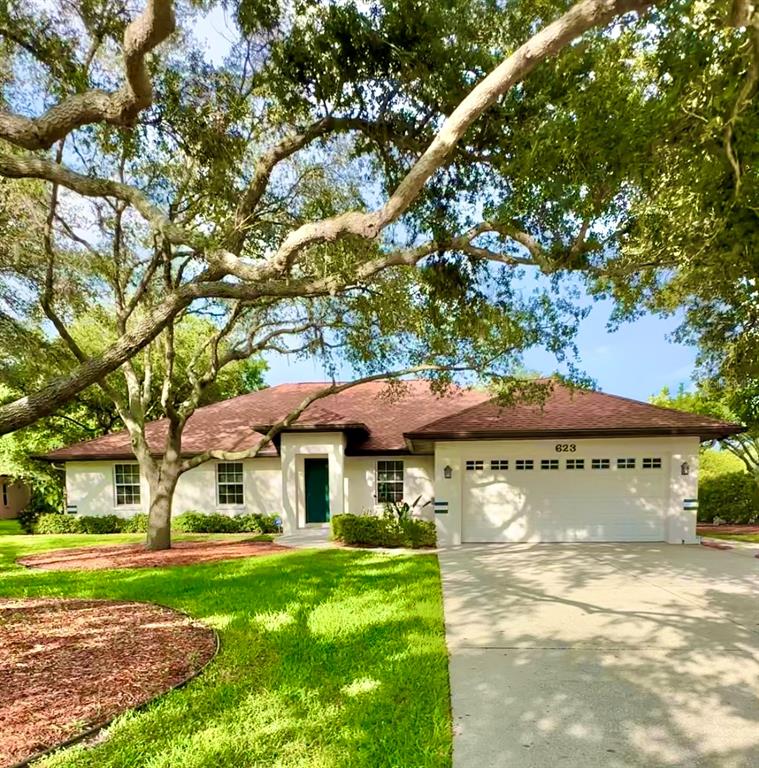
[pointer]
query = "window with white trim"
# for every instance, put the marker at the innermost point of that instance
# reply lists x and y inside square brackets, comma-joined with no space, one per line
[389,481]
[651,462]
[230,490]
[600,464]
[549,463]
[473,465]
[525,464]
[498,464]
[625,463]
[126,482]
[575,463]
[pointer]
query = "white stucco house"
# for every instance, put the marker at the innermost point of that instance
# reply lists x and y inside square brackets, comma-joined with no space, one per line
[586,466]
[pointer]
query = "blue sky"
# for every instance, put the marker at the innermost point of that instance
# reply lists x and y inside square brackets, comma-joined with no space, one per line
[636,360]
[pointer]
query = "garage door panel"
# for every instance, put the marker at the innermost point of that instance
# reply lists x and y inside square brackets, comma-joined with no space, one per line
[550,505]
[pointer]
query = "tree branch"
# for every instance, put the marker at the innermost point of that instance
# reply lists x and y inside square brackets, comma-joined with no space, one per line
[148,30]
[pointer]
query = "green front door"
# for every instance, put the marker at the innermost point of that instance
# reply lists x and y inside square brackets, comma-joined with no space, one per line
[317,490]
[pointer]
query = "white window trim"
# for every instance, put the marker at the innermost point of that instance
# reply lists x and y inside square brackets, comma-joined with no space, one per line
[377,480]
[235,505]
[116,504]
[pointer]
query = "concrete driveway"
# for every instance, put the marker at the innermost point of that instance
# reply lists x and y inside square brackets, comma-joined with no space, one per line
[602,655]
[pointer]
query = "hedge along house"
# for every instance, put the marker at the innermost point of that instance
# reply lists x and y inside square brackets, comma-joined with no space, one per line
[586,466]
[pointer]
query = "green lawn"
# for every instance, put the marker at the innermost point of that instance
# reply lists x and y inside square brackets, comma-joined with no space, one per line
[328,658]
[9,527]
[752,538]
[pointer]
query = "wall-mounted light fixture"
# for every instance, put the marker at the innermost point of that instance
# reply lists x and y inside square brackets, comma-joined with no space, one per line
[685,468]
[447,472]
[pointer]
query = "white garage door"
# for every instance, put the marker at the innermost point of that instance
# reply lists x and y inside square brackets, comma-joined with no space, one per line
[565,498]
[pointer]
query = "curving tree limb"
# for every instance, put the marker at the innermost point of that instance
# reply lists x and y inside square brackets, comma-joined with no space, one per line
[148,30]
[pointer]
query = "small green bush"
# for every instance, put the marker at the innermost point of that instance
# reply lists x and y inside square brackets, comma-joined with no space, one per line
[101,524]
[732,496]
[57,522]
[38,505]
[199,522]
[135,524]
[369,531]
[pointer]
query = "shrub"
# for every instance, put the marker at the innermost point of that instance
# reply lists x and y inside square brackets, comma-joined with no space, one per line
[199,522]
[57,522]
[371,531]
[136,524]
[260,524]
[732,496]
[38,505]
[101,524]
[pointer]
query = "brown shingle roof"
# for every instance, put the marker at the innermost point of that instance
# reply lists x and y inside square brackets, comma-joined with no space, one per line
[572,412]
[382,418]
[229,425]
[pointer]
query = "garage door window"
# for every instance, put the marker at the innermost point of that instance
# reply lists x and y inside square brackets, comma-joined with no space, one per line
[525,464]
[475,465]
[652,463]
[497,464]
[389,481]
[575,463]
[625,463]
[549,463]
[600,464]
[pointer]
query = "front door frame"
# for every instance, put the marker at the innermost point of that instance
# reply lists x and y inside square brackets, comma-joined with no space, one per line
[311,462]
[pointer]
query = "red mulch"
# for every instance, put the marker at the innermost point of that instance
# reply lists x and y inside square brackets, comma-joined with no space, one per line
[136,556]
[705,530]
[67,666]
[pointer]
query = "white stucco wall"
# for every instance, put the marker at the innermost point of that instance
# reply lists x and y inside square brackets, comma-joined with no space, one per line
[90,488]
[294,449]
[361,482]
[527,497]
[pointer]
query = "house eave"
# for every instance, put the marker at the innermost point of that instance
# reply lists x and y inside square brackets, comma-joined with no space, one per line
[703,433]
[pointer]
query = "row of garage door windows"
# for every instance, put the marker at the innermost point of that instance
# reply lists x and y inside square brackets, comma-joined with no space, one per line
[649,462]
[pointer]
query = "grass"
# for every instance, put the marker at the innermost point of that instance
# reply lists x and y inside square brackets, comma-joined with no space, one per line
[751,538]
[9,528]
[329,659]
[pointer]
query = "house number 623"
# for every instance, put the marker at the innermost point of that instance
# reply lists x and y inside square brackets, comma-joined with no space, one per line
[566,447]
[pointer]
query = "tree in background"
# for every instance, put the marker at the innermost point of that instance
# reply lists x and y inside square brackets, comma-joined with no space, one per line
[736,406]
[92,412]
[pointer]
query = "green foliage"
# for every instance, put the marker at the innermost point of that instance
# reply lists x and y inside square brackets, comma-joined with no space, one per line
[100,524]
[370,531]
[38,505]
[713,463]
[200,522]
[734,497]
[136,524]
[57,522]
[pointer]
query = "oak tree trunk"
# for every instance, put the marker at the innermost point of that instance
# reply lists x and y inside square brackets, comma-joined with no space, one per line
[159,515]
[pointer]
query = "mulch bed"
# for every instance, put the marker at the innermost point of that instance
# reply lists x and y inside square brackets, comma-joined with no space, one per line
[67,666]
[136,556]
[705,530]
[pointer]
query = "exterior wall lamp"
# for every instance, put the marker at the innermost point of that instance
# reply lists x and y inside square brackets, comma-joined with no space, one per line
[447,472]
[685,468]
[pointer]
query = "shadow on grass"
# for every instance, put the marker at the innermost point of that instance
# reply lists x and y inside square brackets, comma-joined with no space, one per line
[328,658]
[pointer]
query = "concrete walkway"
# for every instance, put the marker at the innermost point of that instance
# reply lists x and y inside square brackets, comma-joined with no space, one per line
[577,656]
[313,537]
